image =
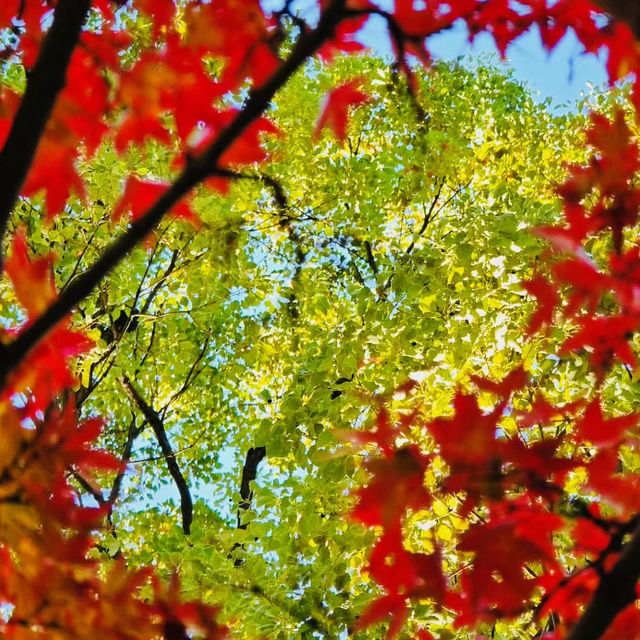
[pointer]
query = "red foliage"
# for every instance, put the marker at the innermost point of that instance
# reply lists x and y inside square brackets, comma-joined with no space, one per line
[335,113]
[139,196]
[169,95]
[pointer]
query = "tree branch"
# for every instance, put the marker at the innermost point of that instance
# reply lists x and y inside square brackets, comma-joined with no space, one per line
[132,433]
[627,11]
[254,457]
[150,415]
[371,261]
[249,472]
[44,83]
[197,169]
[616,591]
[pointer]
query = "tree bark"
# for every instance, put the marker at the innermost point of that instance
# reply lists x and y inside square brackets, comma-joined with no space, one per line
[45,81]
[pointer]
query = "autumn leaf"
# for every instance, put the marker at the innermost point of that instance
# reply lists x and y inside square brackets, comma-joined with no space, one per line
[161,13]
[607,339]
[404,576]
[139,196]
[468,438]
[335,112]
[397,485]
[45,371]
[547,297]
[594,428]
[33,281]
[513,381]
[588,284]
[515,534]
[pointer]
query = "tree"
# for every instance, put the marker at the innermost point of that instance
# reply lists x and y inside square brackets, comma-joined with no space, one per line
[290,404]
[89,91]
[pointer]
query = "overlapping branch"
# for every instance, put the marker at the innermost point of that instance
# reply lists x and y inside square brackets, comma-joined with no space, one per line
[625,10]
[616,591]
[197,169]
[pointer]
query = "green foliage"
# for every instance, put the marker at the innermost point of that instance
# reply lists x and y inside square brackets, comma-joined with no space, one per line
[399,254]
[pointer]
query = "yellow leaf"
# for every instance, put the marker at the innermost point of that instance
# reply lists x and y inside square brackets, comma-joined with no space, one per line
[443,532]
[440,509]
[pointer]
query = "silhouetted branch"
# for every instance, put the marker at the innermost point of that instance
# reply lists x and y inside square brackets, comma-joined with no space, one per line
[255,455]
[150,415]
[624,10]
[616,591]
[132,433]
[44,82]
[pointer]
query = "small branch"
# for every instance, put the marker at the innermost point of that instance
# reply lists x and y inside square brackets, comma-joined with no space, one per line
[616,591]
[132,433]
[191,374]
[186,504]
[255,455]
[371,261]
[95,493]
[45,81]
[279,195]
[428,216]
[158,285]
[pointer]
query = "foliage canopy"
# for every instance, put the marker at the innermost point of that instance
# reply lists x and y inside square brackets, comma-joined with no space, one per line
[300,289]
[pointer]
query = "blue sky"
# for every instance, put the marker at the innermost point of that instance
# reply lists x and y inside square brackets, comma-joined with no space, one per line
[563,75]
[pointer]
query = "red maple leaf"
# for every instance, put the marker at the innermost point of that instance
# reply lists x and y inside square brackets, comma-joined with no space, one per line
[625,278]
[54,172]
[404,576]
[397,485]
[247,149]
[237,31]
[344,36]
[383,434]
[542,412]
[593,427]
[620,490]
[515,534]
[537,466]
[44,373]
[588,284]
[161,13]
[589,537]
[335,113]
[139,196]
[570,238]
[467,439]
[33,281]
[513,381]
[566,597]
[607,338]
[547,297]
[468,443]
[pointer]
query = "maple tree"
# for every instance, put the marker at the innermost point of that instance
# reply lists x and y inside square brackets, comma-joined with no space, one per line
[544,483]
